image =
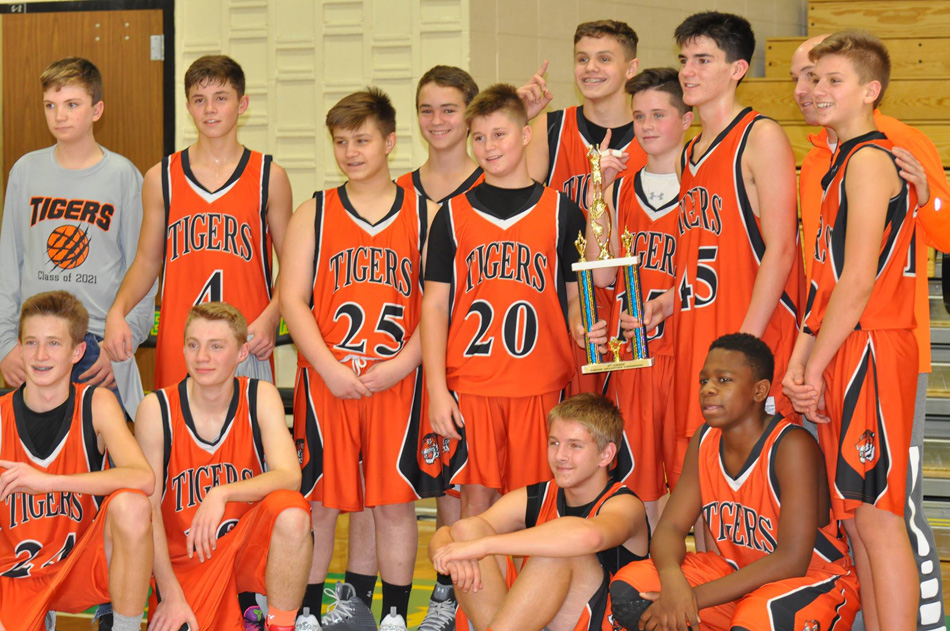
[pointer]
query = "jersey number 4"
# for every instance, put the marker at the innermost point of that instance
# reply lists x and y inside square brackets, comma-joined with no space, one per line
[705,275]
[213,289]
[519,329]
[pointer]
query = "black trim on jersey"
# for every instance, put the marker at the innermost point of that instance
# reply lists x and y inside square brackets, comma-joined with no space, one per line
[21,412]
[422,483]
[754,454]
[555,123]
[809,303]
[252,385]
[773,476]
[869,485]
[166,437]
[715,143]
[535,501]
[462,188]
[167,199]
[826,548]
[422,212]
[560,281]
[643,197]
[190,421]
[319,197]
[312,471]
[782,609]
[348,205]
[235,175]
[95,460]
[265,194]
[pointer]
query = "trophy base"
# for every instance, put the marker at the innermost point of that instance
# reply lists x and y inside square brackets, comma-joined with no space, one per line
[590,369]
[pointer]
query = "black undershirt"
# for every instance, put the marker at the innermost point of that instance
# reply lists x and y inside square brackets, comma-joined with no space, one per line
[578,511]
[44,427]
[597,133]
[502,203]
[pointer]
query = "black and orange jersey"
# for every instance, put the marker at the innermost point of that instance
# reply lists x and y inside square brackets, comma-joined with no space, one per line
[546,502]
[742,510]
[217,248]
[38,531]
[367,285]
[569,139]
[412,183]
[654,242]
[192,465]
[891,304]
[718,253]
[508,331]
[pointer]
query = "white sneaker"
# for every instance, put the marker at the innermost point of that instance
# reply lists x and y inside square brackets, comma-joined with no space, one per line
[393,622]
[306,621]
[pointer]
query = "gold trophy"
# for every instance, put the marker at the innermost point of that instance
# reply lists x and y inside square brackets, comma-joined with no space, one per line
[600,225]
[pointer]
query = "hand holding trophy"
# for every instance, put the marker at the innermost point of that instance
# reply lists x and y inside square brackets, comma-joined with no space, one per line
[600,228]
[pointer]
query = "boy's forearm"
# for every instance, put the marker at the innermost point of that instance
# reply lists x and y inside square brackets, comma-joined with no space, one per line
[845,307]
[260,486]
[767,291]
[433,332]
[668,550]
[105,482]
[138,280]
[768,569]
[306,334]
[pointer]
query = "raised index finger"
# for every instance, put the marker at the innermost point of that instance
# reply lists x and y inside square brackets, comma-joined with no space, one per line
[543,69]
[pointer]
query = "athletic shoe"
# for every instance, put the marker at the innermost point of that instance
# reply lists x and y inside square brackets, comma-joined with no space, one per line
[253,619]
[442,608]
[627,605]
[393,622]
[307,621]
[347,611]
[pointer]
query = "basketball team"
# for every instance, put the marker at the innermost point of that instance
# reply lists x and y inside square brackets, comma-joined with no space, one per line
[439,336]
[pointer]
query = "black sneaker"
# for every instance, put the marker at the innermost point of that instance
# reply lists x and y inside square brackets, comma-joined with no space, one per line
[442,608]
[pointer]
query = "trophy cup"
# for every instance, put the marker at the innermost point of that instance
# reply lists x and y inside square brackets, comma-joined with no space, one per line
[630,270]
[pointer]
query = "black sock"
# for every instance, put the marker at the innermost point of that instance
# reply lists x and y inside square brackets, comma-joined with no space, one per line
[246,600]
[364,584]
[313,599]
[395,596]
[443,579]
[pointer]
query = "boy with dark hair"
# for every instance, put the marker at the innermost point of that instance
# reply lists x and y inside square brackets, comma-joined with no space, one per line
[605,57]
[645,205]
[227,515]
[758,481]
[212,212]
[354,315]
[858,331]
[572,533]
[76,531]
[930,182]
[737,260]
[499,295]
[71,221]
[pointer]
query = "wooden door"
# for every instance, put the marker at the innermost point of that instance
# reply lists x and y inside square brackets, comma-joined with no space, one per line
[119,43]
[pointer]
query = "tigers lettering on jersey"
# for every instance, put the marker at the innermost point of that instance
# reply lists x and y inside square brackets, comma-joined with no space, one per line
[191,485]
[25,507]
[83,210]
[741,526]
[700,209]
[212,232]
[375,265]
[506,260]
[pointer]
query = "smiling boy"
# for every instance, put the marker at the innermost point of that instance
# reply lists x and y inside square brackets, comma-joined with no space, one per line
[354,315]
[212,213]
[499,295]
[223,522]
[565,537]
[77,531]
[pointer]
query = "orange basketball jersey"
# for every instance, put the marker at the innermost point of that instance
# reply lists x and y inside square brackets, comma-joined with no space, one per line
[568,142]
[891,304]
[742,512]
[38,531]
[217,247]
[193,465]
[654,242]
[508,332]
[367,292]
[718,252]
[412,183]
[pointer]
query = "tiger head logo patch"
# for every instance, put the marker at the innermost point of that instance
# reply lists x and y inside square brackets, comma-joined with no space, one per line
[430,448]
[812,625]
[866,447]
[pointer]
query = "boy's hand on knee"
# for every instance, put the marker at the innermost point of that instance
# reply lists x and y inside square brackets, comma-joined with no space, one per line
[444,415]
[466,575]
[203,534]
[457,551]
[675,609]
